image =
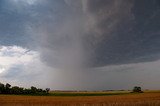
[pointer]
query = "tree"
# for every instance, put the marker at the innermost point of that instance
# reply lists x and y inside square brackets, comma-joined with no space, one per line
[137,89]
[8,88]
[27,91]
[16,90]
[47,90]
[2,88]
[8,85]
[33,89]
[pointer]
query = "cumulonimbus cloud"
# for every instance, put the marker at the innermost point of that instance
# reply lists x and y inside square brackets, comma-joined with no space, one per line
[86,36]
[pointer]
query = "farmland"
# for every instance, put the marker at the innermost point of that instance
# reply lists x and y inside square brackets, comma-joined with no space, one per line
[149,98]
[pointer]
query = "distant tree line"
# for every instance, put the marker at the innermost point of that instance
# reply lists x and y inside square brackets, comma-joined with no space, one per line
[8,89]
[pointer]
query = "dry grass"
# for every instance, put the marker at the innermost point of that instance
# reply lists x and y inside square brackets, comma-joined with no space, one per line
[144,99]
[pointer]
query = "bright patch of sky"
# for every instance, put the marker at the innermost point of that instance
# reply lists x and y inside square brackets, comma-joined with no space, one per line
[20,65]
[15,55]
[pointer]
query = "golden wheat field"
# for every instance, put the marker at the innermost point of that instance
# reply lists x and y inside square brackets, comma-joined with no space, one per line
[143,99]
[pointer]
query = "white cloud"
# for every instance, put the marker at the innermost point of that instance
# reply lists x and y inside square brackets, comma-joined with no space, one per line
[2,69]
[15,55]
[21,66]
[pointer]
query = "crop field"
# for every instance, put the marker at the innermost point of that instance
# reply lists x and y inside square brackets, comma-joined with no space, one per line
[124,99]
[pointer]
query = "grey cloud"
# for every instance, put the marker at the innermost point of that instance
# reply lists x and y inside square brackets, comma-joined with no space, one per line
[84,33]
[98,33]
[75,31]
[131,40]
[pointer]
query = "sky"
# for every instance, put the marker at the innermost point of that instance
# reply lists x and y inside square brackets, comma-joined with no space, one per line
[80,44]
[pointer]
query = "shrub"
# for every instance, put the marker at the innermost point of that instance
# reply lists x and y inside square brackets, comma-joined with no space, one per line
[137,89]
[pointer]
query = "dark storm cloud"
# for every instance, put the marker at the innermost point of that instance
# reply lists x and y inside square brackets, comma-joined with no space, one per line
[100,32]
[12,29]
[134,39]
[84,33]
[15,22]
[71,33]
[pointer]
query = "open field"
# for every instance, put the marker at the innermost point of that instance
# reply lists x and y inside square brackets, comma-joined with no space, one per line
[132,99]
[88,93]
